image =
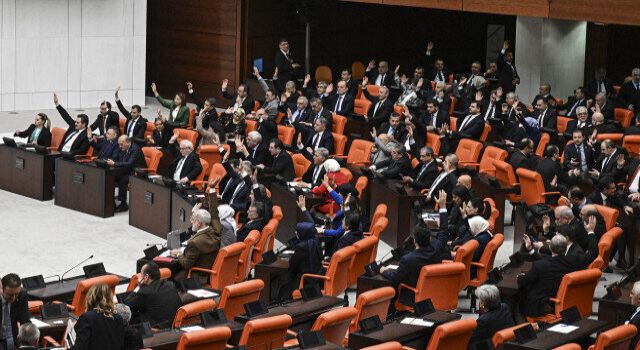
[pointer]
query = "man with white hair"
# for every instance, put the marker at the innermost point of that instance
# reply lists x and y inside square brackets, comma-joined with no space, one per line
[202,248]
[629,95]
[494,314]
[381,105]
[581,122]
[28,336]
[635,317]
[315,173]
[604,106]
[254,150]
[187,167]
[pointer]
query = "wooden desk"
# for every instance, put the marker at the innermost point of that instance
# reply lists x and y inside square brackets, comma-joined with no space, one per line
[304,313]
[399,210]
[617,312]
[168,340]
[356,129]
[519,228]
[55,327]
[271,275]
[61,291]
[509,284]
[287,200]
[327,346]
[149,206]
[27,173]
[85,187]
[481,184]
[366,283]
[165,162]
[416,337]
[180,211]
[549,340]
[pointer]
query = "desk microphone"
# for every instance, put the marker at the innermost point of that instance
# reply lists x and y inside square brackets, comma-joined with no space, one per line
[82,262]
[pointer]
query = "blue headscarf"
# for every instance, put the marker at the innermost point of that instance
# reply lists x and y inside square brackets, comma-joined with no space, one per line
[307,239]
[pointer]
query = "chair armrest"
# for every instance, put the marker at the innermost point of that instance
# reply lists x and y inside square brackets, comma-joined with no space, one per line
[555,300]
[148,170]
[469,164]
[424,191]
[201,270]
[297,179]
[406,286]
[310,275]
[198,182]
[473,263]
[52,149]
[292,333]
[551,194]
[367,233]
[341,157]
[361,163]
[69,306]
[447,261]
[47,340]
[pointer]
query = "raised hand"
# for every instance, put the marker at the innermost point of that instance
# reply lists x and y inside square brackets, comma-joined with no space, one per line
[420,83]
[225,83]
[256,72]
[505,45]
[307,79]
[590,224]
[371,65]
[329,88]
[499,93]
[154,88]
[478,96]
[527,241]
[299,139]
[430,46]
[546,223]
[302,202]
[365,80]
[275,74]
[189,86]
[55,99]
[442,199]
[397,69]
[117,93]
[620,161]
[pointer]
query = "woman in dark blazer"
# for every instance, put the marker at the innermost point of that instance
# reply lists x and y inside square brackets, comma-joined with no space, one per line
[99,328]
[38,132]
[306,258]
[178,110]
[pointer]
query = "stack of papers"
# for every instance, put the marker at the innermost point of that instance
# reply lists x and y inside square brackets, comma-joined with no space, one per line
[394,267]
[36,322]
[203,293]
[190,329]
[562,328]
[167,252]
[417,322]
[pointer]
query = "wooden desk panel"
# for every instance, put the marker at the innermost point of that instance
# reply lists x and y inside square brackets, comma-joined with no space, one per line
[399,210]
[271,275]
[549,340]
[180,211]
[287,200]
[27,173]
[149,206]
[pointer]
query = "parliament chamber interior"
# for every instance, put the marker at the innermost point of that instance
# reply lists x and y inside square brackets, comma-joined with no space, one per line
[319,174]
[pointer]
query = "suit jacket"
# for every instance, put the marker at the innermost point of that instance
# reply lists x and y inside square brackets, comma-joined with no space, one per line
[541,283]
[19,313]
[162,139]
[410,264]
[635,320]
[156,303]
[347,105]
[519,160]
[399,134]
[95,331]
[81,143]
[424,180]
[247,104]
[548,169]
[260,156]
[234,181]
[550,100]
[326,141]
[393,169]
[491,322]
[243,231]
[304,116]
[444,103]
[281,165]
[447,184]
[549,122]
[308,175]
[139,127]
[106,149]
[386,81]
[572,125]
[611,162]
[44,138]
[473,129]
[383,112]
[190,169]
[571,152]
[626,173]
[581,258]
[607,112]
[506,73]
[571,105]
[131,158]
[103,123]
[132,339]
[347,239]
[618,201]
[629,95]
[632,130]
[324,113]
[268,129]
[284,65]
[591,89]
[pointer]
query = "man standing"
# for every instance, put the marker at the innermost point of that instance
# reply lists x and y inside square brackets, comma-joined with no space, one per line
[136,125]
[285,64]
[508,75]
[14,309]
[129,158]
[106,119]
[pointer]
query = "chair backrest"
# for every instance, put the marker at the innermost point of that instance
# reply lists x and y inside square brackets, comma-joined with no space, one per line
[610,215]
[361,185]
[252,125]
[276,213]
[210,153]
[468,151]
[380,225]
[452,335]
[79,297]
[453,123]
[374,302]
[381,210]
[464,254]
[452,106]
[576,289]
[192,114]
[151,127]
[57,134]
[562,122]
[506,177]
[122,121]
[300,164]
[184,134]
[485,132]
[234,297]
[507,334]
[616,89]
[357,70]
[531,186]
[542,144]
[373,90]
[495,213]
[360,152]
[347,173]
[433,141]
[189,313]
[217,171]
[365,249]
[244,262]
[338,271]
[339,143]
[361,106]
[447,277]
[486,162]
[615,137]
[334,324]
[616,338]
[265,333]
[605,245]
[323,73]
[205,339]
[152,158]
[165,273]
[624,116]
[285,134]
[487,258]
[631,143]
[225,266]
[390,345]
[263,243]
[205,169]
[338,123]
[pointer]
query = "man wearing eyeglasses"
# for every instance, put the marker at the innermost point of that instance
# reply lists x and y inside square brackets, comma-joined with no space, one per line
[425,172]
[187,167]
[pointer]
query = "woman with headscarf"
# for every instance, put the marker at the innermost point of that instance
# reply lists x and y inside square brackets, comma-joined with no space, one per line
[229,226]
[306,258]
[333,178]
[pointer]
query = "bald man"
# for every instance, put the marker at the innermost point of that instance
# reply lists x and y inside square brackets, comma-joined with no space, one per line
[465,181]
[129,158]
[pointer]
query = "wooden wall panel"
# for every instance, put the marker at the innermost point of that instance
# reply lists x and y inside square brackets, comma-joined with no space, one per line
[436,4]
[605,11]
[531,8]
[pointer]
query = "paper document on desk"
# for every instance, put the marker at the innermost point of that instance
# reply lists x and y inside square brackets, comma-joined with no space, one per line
[202,293]
[191,329]
[36,322]
[393,267]
[563,328]
[167,252]
[287,252]
[417,322]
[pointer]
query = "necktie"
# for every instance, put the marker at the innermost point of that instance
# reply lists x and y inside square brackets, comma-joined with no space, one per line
[465,122]
[130,129]
[338,105]
[253,153]
[574,107]
[424,167]
[314,144]
[235,192]
[381,80]
[541,119]
[489,111]
[637,86]
[6,321]
[375,109]
[583,159]
[604,163]
[316,172]
[179,169]
[440,76]
[70,136]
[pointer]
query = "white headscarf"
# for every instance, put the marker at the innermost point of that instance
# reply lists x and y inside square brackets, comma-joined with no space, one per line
[478,224]
[331,166]
[227,214]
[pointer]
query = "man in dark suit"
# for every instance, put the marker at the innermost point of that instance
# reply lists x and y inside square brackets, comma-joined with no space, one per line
[577,100]
[438,95]
[320,138]
[236,185]
[285,64]
[471,127]
[75,139]
[129,158]
[267,126]
[547,117]
[241,99]
[635,128]
[603,106]
[446,179]
[13,310]
[256,220]
[634,319]
[629,173]
[543,280]
[187,167]
[551,172]
[426,252]
[156,301]
[315,173]
[281,162]
[437,72]
[629,95]
[508,75]
[578,156]
[606,163]
[494,106]
[581,122]
[107,148]
[544,91]
[254,151]
[341,103]
[522,158]
[600,83]
[381,106]
[319,111]
[352,84]
[161,135]
[395,128]
[395,167]
[381,76]
[136,125]
[28,337]
[106,119]
[352,233]
[425,172]
[431,120]
[494,315]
